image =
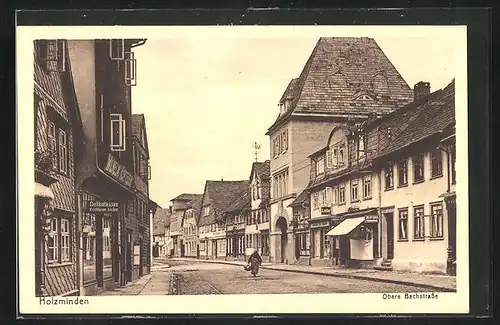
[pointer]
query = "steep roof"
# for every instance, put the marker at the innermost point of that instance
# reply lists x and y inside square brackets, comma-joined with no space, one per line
[241,201]
[187,197]
[196,206]
[221,194]
[339,71]
[160,219]
[429,118]
[263,169]
[303,197]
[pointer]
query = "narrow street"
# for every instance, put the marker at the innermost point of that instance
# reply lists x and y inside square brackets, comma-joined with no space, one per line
[198,278]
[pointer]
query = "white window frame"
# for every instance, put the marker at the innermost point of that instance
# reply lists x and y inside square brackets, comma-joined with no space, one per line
[342,197]
[320,165]
[121,145]
[117,42]
[402,232]
[354,190]
[437,221]
[54,235]
[130,69]
[65,234]
[367,186]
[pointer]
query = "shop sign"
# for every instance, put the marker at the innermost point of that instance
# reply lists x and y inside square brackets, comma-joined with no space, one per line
[118,171]
[326,210]
[321,224]
[103,206]
[371,219]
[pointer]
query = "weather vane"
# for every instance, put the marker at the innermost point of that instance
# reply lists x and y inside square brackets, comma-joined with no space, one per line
[256,148]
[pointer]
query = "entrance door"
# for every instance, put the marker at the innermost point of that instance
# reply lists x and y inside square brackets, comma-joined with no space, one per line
[281,225]
[344,243]
[390,235]
[182,248]
[297,246]
[141,252]
[128,256]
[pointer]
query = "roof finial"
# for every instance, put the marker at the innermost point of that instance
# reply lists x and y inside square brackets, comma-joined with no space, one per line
[256,148]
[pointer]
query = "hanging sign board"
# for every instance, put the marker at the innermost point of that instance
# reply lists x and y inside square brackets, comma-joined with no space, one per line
[371,219]
[102,206]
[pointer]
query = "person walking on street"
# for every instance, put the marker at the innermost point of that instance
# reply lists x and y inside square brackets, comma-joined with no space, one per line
[254,261]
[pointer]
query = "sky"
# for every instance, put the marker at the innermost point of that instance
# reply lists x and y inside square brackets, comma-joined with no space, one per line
[207,100]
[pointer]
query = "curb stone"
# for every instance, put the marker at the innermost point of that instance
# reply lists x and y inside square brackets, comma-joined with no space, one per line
[343,275]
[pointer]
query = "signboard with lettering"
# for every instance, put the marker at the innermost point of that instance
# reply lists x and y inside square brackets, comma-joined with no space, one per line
[102,206]
[371,219]
[118,171]
[326,210]
[325,223]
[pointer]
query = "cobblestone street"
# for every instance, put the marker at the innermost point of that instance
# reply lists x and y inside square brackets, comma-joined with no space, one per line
[181,277]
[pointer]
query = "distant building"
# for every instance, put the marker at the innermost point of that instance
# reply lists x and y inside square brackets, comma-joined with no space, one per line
[162,243]
[344,79]
[217,196]
[179,206]
[258,221]
[235,215]
[190,228]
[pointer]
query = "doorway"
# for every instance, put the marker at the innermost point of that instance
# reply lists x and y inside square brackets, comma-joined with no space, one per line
[282,227]
[128,256]
[141,252]
[389,218]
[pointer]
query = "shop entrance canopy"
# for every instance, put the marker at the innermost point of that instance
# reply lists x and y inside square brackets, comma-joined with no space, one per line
[346,226]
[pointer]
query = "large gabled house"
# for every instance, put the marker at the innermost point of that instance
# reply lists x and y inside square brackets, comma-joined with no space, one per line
[236,216]
[189,226]
[344,79]
[379,200]
[217,196]
[162,243]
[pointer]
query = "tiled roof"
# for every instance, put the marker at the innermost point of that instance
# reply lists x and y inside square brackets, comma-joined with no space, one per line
[160,219]
[339,70]
[241,201]
[196,206]
[187,197]
[290,90]
[221,194]
[303,197]
[263,169]
[428,118]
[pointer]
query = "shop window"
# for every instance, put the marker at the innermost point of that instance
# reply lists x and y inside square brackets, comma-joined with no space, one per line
[437,220]
[418,223]
[436,163]
[389,176]
[354,190]
[418,168]
[403,224]
[118,133]
[402,173]
[367,187]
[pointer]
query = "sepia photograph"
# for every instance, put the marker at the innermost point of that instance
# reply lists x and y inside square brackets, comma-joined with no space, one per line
[236,166]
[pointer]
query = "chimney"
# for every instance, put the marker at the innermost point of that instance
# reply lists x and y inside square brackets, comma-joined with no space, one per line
[222,179]
[421,91]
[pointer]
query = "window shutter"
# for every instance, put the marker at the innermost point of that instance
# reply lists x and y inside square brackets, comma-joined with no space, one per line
[329,198]
[328,158]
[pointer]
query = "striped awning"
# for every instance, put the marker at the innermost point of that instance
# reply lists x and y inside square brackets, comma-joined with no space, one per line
[346,226]
[43,191]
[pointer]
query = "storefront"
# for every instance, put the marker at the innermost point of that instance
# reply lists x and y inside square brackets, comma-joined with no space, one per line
[321,244]
[235,243]
[302,241]
[355,238]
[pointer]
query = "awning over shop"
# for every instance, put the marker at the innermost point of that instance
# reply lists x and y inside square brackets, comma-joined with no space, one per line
[43,191]
[346,226]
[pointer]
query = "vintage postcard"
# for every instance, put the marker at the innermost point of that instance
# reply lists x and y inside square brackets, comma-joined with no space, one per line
[242,169]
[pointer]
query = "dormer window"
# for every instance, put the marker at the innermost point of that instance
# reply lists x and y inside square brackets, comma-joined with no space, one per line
[206,210]
[364,97]
[282,108]
[320,165]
